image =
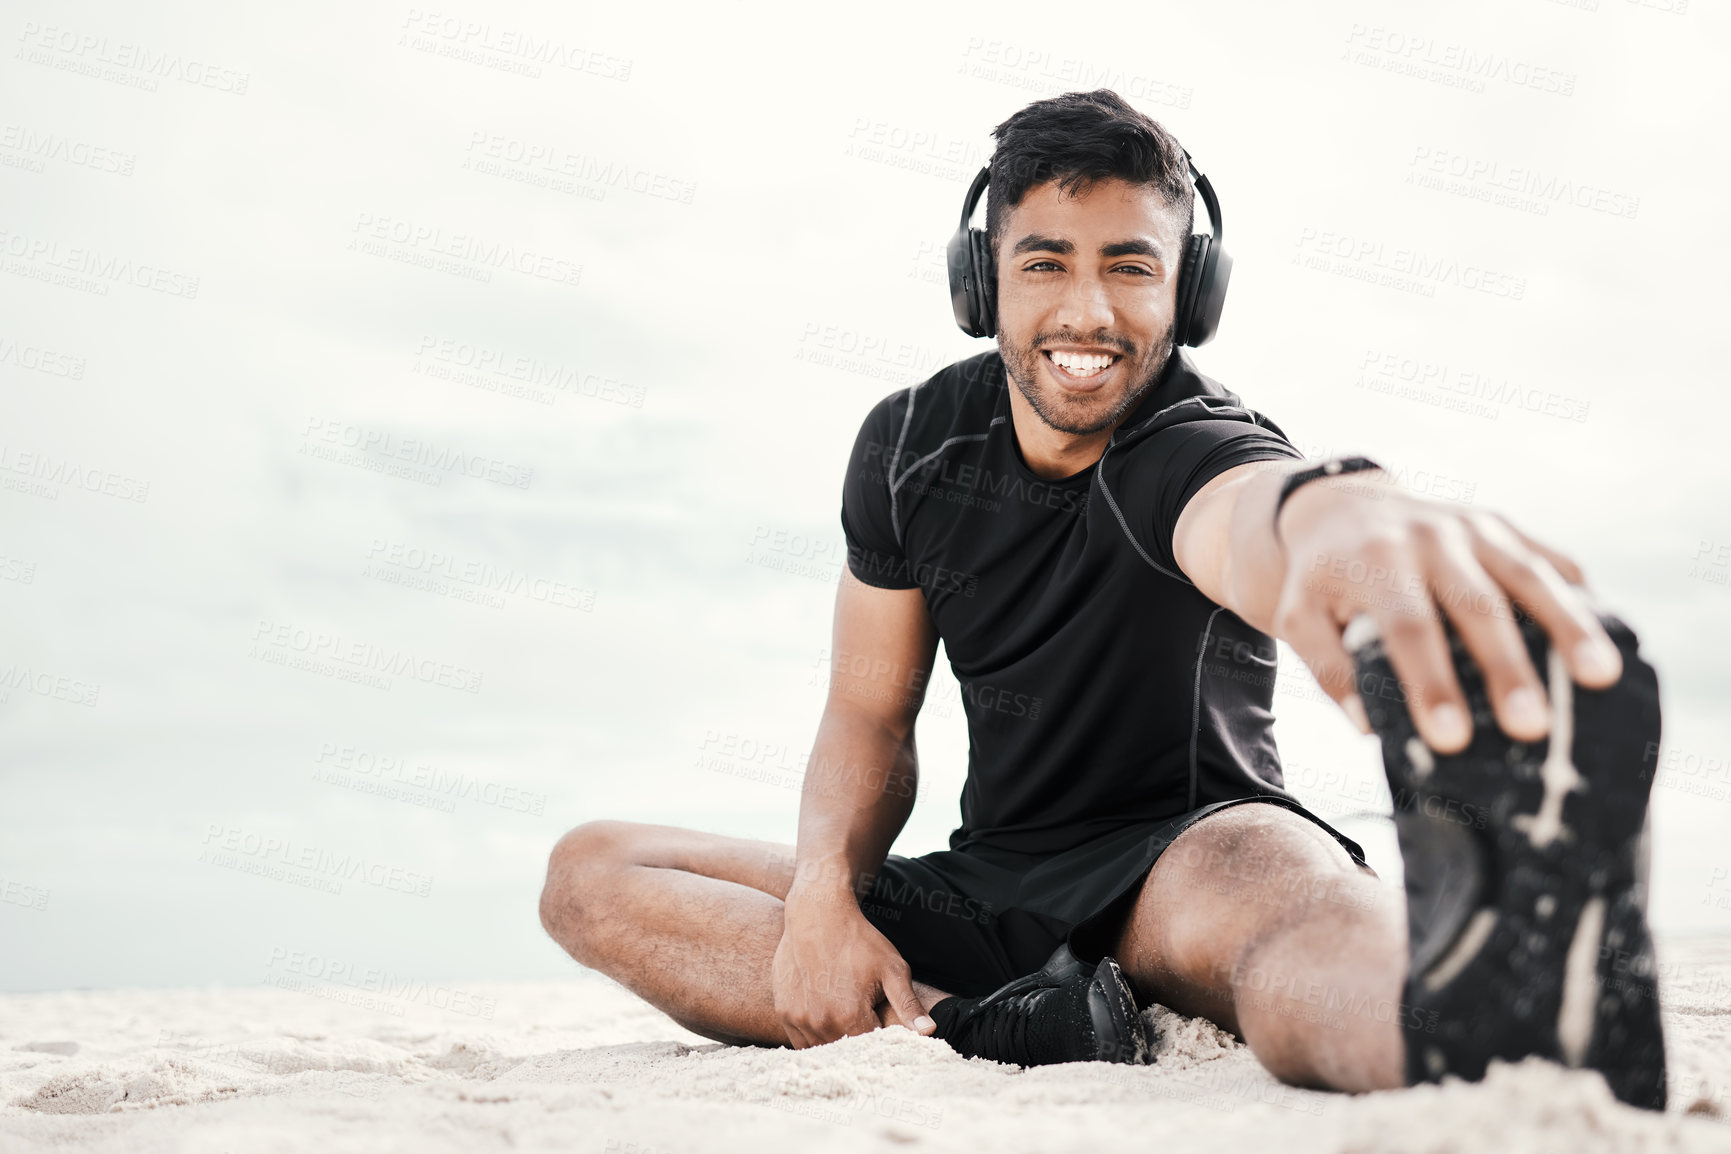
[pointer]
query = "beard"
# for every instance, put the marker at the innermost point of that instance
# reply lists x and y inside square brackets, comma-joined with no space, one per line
[1082,416]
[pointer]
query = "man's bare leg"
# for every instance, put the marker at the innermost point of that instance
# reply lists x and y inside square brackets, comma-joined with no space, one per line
[1258,920]
[689,921]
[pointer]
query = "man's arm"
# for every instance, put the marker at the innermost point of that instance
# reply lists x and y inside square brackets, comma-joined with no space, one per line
[833,965]
[1358,543]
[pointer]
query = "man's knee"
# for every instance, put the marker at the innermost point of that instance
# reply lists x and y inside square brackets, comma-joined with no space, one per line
[574,871]
[1256,849]
[1233,875]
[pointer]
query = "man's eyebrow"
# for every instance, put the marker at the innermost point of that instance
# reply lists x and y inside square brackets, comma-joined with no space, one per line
[1134,248]
[1034,242]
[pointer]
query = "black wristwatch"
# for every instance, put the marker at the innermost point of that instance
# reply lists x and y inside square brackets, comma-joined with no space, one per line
[1332,468]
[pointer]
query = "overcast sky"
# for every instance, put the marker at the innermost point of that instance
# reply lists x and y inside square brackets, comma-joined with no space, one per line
[423,431]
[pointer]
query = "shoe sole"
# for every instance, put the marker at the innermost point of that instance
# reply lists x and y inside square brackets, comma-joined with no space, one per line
[1117,1022]
[1525,900]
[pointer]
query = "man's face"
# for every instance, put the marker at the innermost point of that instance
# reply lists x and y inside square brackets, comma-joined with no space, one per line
[1087,290]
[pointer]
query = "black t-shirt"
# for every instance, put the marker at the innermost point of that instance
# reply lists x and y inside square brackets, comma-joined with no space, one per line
[1101,687]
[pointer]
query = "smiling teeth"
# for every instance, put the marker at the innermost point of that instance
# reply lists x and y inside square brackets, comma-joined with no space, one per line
[1088,363]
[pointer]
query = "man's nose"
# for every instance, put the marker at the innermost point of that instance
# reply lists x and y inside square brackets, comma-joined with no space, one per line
[1086,307]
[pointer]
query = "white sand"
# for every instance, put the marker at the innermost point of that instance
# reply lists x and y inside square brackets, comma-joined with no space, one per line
[584,1065]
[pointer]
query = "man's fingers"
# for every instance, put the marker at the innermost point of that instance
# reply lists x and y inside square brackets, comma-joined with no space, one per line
[826,1026]
[1485,620]
[1412,635]
[851,1009]
[1564,565]
[796,1037]
[1472,567]
[807,1025]
[1575,632]
[1413,638]
[904,1003]
[1315,637]
[1396,593]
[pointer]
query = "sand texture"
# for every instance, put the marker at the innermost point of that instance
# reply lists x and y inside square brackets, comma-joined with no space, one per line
[586,1066]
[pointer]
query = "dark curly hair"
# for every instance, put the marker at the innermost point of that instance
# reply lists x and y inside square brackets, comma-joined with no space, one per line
[1079,138]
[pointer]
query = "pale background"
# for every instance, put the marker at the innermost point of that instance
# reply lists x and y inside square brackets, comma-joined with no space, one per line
[694,536]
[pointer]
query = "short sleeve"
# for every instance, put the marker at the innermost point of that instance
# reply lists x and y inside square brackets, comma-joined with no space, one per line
[874,549]
[1163,470]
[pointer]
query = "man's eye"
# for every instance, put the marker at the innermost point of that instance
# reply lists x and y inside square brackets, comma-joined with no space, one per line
[1139,270]
[1042,266]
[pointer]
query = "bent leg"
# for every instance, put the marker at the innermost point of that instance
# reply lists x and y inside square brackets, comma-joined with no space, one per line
[1257,919]
[689,921]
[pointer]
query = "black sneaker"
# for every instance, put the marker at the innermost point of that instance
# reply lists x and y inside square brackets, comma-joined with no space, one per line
[1525,874]
[1068,1011]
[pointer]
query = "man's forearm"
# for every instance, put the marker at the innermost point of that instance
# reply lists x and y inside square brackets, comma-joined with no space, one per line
[860,786]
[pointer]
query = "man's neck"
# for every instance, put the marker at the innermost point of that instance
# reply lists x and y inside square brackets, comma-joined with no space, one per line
[1051,454]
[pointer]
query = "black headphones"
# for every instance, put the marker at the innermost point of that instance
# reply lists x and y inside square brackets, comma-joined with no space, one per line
[1201,278]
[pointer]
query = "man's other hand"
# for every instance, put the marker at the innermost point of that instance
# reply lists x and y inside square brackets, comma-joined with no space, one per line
[835,975]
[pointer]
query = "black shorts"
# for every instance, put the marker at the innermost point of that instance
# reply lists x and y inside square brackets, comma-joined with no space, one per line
[969,921]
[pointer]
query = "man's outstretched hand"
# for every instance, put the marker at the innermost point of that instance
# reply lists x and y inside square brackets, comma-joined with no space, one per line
[1357,544]
[835,975]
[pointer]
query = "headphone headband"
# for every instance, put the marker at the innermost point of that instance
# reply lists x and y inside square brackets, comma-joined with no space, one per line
[975,191]
[1202,278]
[1210,202]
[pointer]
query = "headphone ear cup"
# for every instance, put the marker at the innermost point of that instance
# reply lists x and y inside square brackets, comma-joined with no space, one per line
[1190,274]
[959,257]
[1205,310]
[985,284]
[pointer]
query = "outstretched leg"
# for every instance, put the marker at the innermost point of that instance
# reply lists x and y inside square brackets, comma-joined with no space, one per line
[689,921]
[1258,920]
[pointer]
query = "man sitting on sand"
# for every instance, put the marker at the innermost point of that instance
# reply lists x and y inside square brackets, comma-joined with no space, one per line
[1107,541]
